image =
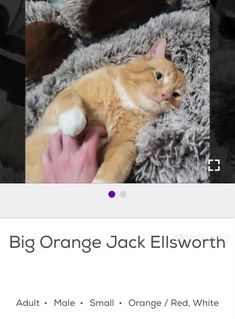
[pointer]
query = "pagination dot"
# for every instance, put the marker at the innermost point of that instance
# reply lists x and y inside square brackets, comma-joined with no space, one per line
[112,194]
[123,194]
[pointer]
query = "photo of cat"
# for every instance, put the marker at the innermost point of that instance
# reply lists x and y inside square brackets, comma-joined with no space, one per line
[146,86]
[122,99]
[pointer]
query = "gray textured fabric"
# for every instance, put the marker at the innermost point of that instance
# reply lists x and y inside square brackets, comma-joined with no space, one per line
[74,12]
[40,11]
[194,5]
[174,148]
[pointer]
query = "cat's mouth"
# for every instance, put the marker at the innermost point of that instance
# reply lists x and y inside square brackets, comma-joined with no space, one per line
[163,106]
[155,105]
[159,105]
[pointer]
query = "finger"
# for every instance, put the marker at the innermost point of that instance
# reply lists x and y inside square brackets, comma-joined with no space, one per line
[55,146]
[70,144]
[46,163]
[92,139]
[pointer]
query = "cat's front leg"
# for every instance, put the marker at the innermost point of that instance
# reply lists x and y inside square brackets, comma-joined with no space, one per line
[68,110]
[118,161]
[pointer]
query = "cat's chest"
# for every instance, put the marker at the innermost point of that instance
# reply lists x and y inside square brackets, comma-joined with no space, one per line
[124,98]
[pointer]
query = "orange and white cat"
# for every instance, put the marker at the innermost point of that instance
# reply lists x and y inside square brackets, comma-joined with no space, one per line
[121,98]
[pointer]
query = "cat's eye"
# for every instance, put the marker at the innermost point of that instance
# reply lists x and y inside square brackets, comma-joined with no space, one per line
[159,75]
[176,94]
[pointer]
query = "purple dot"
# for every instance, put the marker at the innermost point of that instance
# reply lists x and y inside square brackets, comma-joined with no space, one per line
[112,194]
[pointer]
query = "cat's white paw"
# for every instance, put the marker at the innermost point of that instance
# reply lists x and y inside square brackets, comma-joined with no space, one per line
[72,122]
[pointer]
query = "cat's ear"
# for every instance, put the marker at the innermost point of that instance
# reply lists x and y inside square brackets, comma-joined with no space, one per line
[158,50]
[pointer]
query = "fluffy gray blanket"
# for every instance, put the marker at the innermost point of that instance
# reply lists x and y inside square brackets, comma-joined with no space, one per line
[175,147]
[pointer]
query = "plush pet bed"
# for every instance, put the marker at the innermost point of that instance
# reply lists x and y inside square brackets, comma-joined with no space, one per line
[175,147]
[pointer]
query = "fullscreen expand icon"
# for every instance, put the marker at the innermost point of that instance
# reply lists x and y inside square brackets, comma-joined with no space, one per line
[214,165]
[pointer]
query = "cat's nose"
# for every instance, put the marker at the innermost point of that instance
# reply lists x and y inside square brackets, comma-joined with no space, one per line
[165,96]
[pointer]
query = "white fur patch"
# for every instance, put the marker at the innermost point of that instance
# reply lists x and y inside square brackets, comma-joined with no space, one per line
[149,105]
[123,96]
[73,121]
[166,80]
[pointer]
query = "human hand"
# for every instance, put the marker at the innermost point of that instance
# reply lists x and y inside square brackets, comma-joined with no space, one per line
[64,160]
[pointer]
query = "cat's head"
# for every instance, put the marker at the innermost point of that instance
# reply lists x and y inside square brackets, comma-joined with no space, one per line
[159,85]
